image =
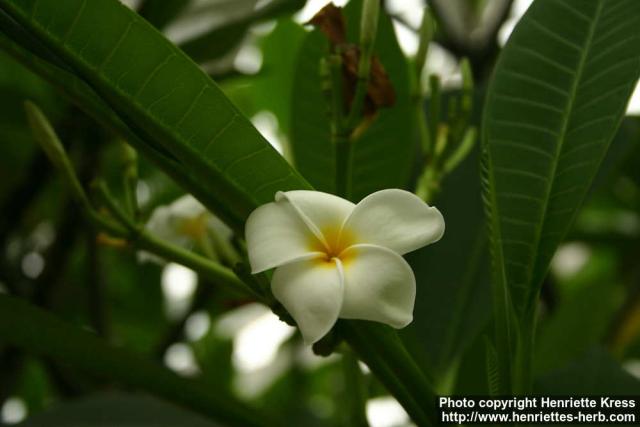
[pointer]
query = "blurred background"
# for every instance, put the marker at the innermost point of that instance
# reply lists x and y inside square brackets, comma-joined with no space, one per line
[164,311]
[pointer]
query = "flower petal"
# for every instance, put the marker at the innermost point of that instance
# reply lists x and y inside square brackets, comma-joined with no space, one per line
[312,292]
[395,219]
[324,211]
[275,235]
[379,285]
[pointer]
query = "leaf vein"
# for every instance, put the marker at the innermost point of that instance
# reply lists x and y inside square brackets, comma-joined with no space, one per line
[575,11]
[66,36]
[536,81]
[523,125]
[525,101]
[555,35]
[546,59]
[519,172]
[522,146]
[152,74]
[221,131]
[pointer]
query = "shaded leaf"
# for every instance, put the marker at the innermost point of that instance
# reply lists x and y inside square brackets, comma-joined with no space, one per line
[116,410]
[558,94]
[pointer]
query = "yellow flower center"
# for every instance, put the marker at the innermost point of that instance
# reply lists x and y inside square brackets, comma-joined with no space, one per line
[333,246]
[194,228]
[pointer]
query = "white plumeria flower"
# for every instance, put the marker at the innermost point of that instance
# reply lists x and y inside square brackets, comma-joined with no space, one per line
[336,259]
[182,223]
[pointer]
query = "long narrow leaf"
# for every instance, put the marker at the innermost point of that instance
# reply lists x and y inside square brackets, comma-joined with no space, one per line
[79,93]
[146,79]
[557,97]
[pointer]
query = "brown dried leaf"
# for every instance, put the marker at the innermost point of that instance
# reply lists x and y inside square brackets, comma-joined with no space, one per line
[380,93]
[330,21]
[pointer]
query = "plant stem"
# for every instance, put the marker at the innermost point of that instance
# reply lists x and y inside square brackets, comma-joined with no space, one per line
[426,35]
[44,134]
[355,393]
[368,30]
[344,162]
[343,148]
[342,128]
[139,237]
[130,180]
[382,350]
[523,364]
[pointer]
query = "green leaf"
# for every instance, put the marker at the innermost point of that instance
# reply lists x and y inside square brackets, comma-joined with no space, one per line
[277,71]
[78,92]
[383,154]
[310,136]
[558,94]
[46,335]
[116,410]
[157,90]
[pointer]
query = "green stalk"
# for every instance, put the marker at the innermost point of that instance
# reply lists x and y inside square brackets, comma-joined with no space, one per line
[344,163]
[428,185]
[355,393]
[434,107]
[46,137]
[381,349]
[142,239]
[339,132]
[343,127]
[130,180]
[426,35]
[368,30]
[461,152]
[523,364]
[42,333]
[127,228]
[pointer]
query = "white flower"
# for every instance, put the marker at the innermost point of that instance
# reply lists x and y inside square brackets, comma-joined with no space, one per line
[183,223]
[337,259]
